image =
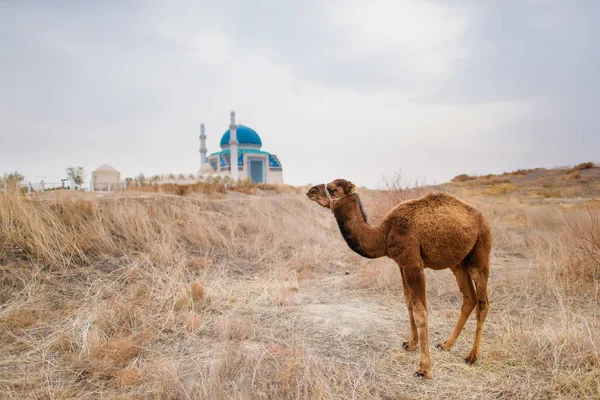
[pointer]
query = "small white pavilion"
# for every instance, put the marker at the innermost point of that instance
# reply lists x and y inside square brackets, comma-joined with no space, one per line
[105,179]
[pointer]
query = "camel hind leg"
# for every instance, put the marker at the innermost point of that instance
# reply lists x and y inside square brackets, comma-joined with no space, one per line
[465,285]
[478,267]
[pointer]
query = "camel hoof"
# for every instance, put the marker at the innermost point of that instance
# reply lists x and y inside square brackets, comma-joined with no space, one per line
[440,346]
[409,347]
[422,374]
[471,358]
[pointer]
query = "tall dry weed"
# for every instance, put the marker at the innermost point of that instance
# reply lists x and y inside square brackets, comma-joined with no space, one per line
[396,189]
[566,275]
[569,248]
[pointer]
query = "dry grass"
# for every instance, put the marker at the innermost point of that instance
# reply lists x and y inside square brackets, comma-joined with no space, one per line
[216,189]
[233,296]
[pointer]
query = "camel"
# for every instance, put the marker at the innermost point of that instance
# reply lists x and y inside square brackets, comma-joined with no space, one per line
[436,231]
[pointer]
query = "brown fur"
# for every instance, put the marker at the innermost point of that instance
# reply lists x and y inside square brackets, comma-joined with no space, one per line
[436,231]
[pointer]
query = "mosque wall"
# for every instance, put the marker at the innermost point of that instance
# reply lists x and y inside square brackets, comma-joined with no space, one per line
[275,177]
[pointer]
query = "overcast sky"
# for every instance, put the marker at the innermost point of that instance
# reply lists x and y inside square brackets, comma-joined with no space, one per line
[336,89]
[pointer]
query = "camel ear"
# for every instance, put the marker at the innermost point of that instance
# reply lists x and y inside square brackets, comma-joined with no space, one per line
[349,188]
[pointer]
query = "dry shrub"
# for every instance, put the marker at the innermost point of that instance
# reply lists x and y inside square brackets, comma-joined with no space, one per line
[107,356]
[500,189]
[208,188]
[251,191]
[64,344]
[283,297]
[585,165]
[129,377]
[250,188]
[183,303]
[573,191]
[11,278]
[117,317]
[496,181]
[194,322]
[268,187]
[291,372]
[280,188]
[235,329]
[197,264]
[463,178]
[193,297]
[197,291]
[156,379]
[305,271]
[19,319]
[574,173]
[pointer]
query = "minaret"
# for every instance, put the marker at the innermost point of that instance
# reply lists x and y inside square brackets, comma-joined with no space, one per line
[233,147]
[202,146]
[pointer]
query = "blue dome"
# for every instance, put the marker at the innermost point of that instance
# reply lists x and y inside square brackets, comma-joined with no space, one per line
[244,134]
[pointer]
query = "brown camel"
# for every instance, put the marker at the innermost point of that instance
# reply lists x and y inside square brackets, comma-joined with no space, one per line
[436,231]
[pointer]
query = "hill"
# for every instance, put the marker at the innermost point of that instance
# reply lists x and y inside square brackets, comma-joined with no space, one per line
[580,181]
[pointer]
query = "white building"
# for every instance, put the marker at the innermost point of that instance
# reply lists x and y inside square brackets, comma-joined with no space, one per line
[105,178]
[242,145]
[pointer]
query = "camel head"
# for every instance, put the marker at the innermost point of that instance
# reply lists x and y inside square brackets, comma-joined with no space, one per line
[326,194]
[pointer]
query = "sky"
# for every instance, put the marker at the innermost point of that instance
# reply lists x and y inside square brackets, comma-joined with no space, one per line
[360,90]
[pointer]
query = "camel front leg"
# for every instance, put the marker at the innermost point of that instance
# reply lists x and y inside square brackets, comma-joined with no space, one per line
[415,280]
[413,339]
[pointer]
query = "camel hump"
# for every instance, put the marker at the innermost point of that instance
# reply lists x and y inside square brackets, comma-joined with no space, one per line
[442,197]
[438,217]
[435,200]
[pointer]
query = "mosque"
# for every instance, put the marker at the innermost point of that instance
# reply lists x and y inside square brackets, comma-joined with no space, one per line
[243,144]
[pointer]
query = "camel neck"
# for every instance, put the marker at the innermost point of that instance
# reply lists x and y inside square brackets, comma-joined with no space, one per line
[363,238]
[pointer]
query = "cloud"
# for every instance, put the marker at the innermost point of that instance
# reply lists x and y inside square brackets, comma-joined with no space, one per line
[527,49]
[335,89]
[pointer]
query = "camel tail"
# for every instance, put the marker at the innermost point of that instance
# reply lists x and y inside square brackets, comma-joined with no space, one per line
[484,239]
[480,252]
